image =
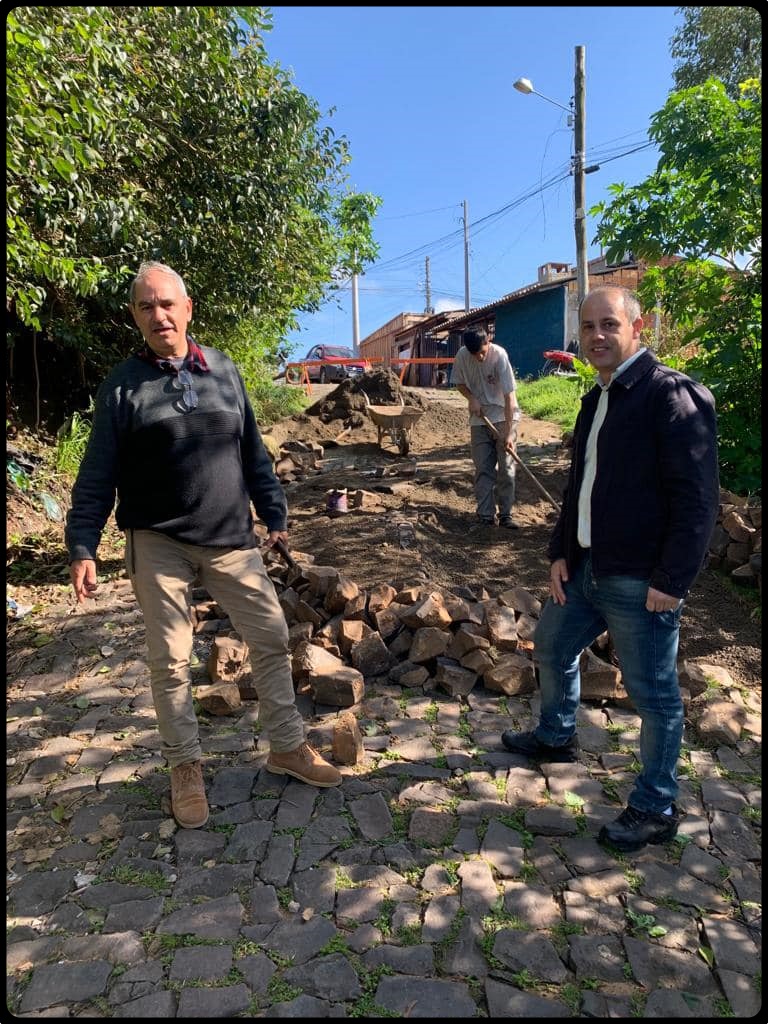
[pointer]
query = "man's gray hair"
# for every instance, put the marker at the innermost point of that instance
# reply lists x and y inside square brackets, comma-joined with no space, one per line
[630,300]
[145,269]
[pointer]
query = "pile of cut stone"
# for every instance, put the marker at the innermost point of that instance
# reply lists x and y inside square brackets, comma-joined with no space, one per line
[413,633]
[737,540]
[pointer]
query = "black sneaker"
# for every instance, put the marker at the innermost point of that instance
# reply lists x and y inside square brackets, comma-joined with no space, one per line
[526,743]
[508,523]
[633,829]
[482,525]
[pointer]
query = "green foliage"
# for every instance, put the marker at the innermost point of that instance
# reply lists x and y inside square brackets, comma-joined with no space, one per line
[165,133]
[557,399]
[717,42]
[252,344]
[703,204]
[586,375]
[71,441]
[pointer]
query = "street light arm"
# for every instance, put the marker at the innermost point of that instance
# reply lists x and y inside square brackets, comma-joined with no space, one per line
[524,85]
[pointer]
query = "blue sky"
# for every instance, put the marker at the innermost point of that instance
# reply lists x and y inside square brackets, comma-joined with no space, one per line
[424,97]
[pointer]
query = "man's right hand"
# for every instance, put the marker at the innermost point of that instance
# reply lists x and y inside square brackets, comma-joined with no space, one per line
[558,575]
[475,408]
[82,572]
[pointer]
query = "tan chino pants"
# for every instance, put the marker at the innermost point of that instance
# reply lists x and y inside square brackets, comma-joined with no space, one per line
[162,571]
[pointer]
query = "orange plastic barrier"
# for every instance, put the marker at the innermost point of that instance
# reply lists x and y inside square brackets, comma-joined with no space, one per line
[367,362]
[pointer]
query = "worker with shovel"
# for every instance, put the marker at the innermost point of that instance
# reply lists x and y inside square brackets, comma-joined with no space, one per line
[483,374]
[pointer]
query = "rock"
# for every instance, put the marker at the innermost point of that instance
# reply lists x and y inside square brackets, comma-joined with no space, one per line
[219,699]
[721,721]
[228,661]
[347,745]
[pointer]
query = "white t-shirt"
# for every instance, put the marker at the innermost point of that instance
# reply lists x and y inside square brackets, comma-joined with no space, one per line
[488,381]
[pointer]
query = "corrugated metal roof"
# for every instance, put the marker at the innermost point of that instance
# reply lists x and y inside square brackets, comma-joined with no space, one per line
[537,286]
[436,322]
[542,286]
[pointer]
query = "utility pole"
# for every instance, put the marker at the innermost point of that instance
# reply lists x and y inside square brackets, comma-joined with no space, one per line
[355,318]
[428,303]
[579,198]
[466,259]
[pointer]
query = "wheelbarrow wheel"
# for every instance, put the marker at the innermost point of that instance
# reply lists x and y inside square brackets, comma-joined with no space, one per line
[403,443]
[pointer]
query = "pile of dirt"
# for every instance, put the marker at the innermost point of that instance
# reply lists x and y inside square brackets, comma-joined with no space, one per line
[342,412]
[347,401]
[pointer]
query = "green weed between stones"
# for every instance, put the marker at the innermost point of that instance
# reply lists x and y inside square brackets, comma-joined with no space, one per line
[284,897]
[570,994]
[279,991]
[516,821]
[451,868]
[245,947]
[343,881]
[722,1007]
[384,921]
[559,934]
[430,714]
[155,880]
[150,799]
[637,1004]
[369,981]
[441,948]
[337,944]
[525,980]
[408,934]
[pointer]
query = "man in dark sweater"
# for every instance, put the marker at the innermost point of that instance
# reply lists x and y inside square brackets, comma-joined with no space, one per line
[174,438]
[633,533]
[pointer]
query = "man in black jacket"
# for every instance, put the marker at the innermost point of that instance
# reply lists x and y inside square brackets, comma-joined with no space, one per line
[632,535]
[175,439]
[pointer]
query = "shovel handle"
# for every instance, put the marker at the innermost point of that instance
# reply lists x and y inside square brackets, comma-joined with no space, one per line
[519,461]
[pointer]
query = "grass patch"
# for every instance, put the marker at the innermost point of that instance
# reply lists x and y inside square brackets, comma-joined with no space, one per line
[408,934]
[557,399]
[155,880]
[338,944]
[279,991]
[559,934]
[384,921]
[343,881]
[365,1006]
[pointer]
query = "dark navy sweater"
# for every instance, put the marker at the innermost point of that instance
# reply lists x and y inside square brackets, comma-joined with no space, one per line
[655,497]
[188,474]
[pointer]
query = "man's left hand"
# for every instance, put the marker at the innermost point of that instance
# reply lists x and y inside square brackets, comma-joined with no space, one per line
[272,537]
[658,601]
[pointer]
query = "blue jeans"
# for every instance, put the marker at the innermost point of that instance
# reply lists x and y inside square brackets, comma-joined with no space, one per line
[646,645]
[494,473]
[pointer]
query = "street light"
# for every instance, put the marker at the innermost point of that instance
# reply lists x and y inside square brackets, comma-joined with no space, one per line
[575,120]
[524,85]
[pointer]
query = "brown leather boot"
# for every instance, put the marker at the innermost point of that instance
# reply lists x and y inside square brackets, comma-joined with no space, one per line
[306,764]
[190,806]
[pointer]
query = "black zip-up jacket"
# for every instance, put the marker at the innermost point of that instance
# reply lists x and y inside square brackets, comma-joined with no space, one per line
[655,496]
[188,474]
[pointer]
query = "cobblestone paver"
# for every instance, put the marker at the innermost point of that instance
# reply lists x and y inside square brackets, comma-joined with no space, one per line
[444,878]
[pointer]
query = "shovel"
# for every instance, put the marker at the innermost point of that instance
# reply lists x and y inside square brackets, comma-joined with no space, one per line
[522,465]
[282,550]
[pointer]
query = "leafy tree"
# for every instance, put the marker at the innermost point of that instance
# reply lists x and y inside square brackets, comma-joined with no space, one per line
[163,133]
[717,42]
[703,204]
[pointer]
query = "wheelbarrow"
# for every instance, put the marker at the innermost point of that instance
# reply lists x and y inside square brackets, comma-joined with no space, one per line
[395,420]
